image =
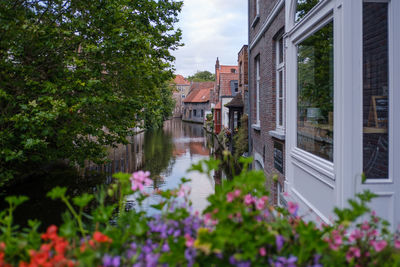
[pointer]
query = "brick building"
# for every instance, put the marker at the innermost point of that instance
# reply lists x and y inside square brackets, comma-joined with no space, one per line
[267,132]
[225,88]
[323,102]
[182,87]
[197,104]
[243,66]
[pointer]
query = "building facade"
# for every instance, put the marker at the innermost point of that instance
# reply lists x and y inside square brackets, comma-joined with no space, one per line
[335,95]
[225,88]
[266,65]
[181,90]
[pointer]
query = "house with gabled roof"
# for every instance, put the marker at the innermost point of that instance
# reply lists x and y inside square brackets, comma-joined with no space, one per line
[197,103]
[226,87]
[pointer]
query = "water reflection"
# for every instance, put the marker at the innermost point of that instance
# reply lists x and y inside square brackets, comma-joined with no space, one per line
[166,152]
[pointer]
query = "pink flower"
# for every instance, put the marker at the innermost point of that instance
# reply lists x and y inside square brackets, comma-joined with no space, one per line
[262,251]
[140,179]
[397,244]
[365,226]
[230,197]
[378,245]
[260,204]
[248,199]
[189,240]
[372,233]
[353,252]
[237,192]
[183,190]
[356,234]
[293,208]
[207,218]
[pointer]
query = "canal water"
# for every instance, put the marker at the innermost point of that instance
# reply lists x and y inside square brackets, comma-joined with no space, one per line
[167,153]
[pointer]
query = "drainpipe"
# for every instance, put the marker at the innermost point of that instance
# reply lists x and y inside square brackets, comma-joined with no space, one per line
[249,82]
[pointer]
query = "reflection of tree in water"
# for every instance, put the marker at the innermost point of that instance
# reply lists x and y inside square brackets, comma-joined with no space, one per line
[158,153]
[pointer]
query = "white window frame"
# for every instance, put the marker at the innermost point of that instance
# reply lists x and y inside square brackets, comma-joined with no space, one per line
[258,90]
[280,68]
[257,7]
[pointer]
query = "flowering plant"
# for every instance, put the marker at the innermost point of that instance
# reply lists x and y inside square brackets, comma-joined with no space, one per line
[238,228]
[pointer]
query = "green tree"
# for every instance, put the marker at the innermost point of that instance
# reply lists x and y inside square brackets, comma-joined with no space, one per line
[202,76]
[77,75]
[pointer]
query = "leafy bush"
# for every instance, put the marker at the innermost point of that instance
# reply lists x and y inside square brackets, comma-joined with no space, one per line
[238,228]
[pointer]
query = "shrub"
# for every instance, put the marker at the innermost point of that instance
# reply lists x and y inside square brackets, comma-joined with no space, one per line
[238,228]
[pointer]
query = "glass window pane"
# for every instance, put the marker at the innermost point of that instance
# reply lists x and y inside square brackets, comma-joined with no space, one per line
[280,50]
[280,112]
[375,90]
[315,93]
[280,84]
[303,6]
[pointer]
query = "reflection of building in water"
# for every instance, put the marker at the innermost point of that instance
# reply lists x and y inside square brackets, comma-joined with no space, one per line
[123,158]
[198,148]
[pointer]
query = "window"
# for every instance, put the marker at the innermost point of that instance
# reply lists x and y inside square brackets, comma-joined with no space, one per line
[280,92]
[375,90]
[236,87]
[202,113]
[194,113]
[315,93]
[258,90]
[183,96]
[233,70]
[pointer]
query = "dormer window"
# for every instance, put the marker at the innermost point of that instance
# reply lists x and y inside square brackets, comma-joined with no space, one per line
[233,70]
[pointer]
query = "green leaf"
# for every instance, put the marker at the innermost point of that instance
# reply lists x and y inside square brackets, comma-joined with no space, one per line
[83,200]
[57,192]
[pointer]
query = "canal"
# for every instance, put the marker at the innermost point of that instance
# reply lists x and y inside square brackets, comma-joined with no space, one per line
[167,153]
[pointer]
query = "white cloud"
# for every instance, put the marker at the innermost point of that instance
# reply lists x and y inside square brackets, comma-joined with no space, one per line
[211,29]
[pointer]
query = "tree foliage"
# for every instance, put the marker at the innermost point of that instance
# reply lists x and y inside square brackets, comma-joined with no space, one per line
[202,76]
[77,75]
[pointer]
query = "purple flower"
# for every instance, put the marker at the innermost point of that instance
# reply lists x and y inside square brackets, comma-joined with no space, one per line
[165,247]
[109,261]
[243,264]
[190,255]
[279,241]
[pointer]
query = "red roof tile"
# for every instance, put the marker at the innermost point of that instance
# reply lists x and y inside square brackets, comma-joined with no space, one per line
[218,105]
[198,96]
[180,80]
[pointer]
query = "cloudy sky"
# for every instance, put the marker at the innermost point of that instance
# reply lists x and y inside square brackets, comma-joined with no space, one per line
[211,29]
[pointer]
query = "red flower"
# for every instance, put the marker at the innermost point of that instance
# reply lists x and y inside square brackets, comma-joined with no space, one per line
[51,233]
[101,238]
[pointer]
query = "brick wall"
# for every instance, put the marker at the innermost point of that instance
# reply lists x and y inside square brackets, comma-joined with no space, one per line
[263,142]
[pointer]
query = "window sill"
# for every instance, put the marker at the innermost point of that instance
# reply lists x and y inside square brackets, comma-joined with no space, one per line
[256,127]
[255,21]
[277,134]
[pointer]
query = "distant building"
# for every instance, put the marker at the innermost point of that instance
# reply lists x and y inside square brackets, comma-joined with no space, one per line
[243,65]
[226,87]
[197,103]
[182,87]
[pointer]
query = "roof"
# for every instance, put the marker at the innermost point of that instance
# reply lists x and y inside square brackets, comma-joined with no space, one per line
[201,85]
[180,80]
[236,102]
[218,105]
[198,96]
